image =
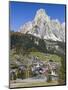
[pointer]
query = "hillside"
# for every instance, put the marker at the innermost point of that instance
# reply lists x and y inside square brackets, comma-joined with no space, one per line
[27,43]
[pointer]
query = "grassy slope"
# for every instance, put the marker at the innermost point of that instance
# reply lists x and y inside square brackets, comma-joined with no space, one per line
[46,57]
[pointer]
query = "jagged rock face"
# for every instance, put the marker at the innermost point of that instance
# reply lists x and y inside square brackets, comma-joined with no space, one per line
[44,27]
[26,27]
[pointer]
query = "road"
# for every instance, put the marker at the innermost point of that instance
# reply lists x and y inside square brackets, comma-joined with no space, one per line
[30,82]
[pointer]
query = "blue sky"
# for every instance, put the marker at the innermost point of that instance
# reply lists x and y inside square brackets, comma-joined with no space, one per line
[21,13]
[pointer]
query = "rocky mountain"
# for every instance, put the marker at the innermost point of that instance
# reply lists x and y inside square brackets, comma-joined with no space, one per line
[44,27]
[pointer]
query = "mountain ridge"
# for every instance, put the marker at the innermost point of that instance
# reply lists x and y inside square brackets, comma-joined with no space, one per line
[43,26]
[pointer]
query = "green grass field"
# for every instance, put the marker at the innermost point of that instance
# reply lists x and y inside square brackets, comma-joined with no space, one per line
[46,57]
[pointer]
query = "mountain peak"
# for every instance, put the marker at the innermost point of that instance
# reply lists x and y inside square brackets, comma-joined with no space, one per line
[44,27]
[41,11]
[41,15]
